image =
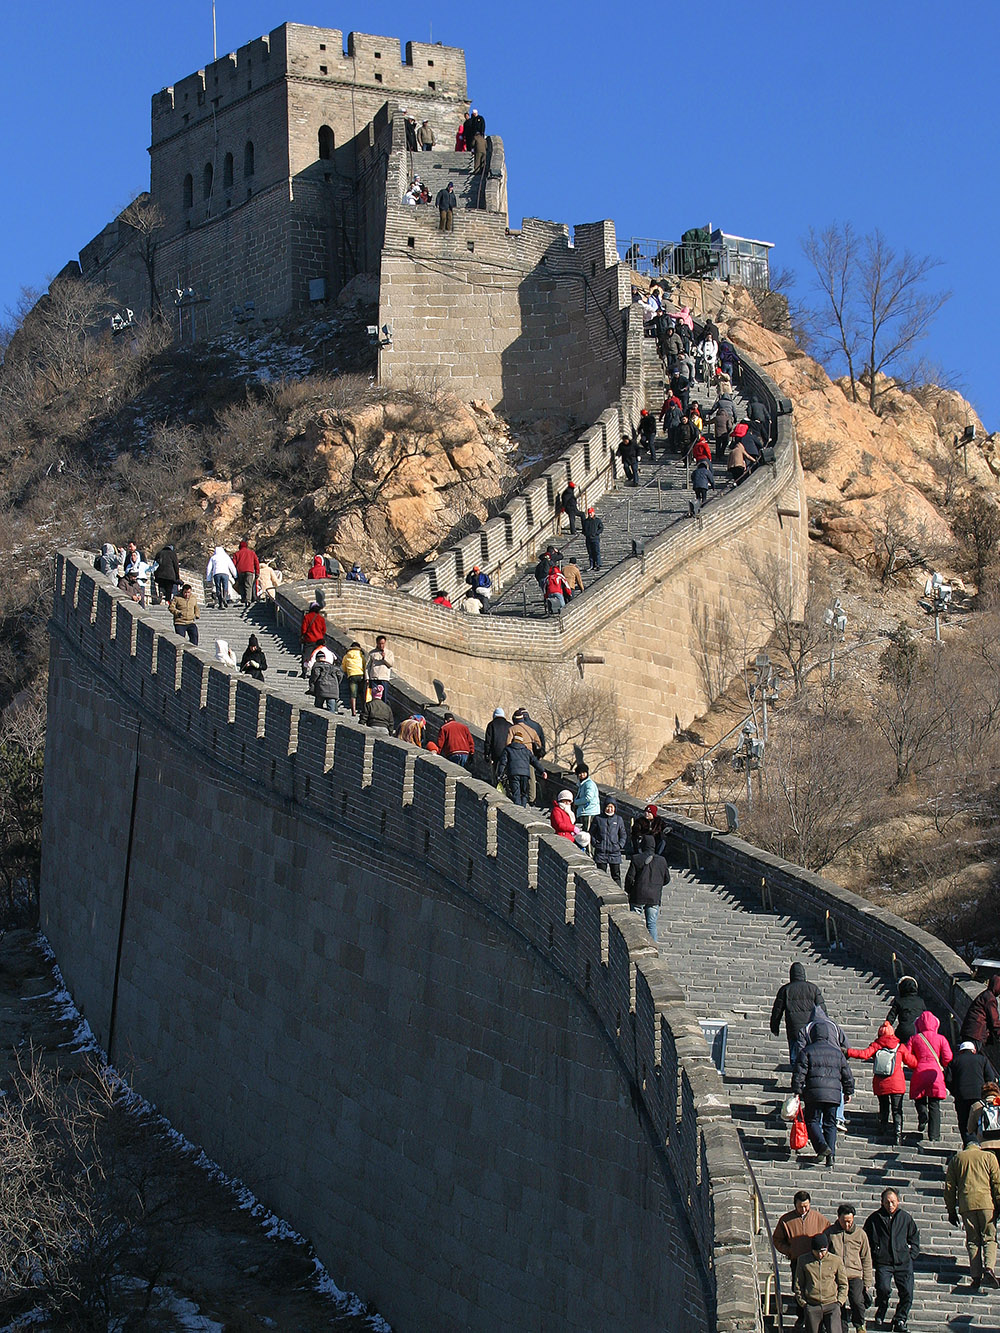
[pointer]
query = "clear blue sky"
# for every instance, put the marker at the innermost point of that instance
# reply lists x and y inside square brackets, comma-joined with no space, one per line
[763,118]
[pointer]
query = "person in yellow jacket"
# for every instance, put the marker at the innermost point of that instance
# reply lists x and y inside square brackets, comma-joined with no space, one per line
[972,1190]
[821,1287]
[353,665]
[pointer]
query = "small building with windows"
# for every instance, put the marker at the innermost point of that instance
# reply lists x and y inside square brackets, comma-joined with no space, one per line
[742,260]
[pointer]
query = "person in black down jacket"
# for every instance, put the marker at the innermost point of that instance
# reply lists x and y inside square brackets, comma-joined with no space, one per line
[644,881]
[516,763]
[821,1073]
[965,1077]
[895,1242]
[795,1001]
[906,1008]
[608,838]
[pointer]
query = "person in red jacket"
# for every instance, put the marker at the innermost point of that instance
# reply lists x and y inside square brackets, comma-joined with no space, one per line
[312,633]
[247,573]
[318,568]
[702,451]
[888,1088]
[455,741]
[562,816]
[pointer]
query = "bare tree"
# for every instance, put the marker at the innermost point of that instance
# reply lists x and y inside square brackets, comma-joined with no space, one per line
[717,646]
[819,789]
[85,1211]
[144,221]
[582,722]
[899,545]
[874,304]
[799,640]
[22,747]
[833,254]
[977,525]
[898,310]
[910,709]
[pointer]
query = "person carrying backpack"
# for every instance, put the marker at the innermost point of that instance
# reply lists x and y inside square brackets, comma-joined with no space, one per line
[984,1119]
[889,1055]
[965,1077]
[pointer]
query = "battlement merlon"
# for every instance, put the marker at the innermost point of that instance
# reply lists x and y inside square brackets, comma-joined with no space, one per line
[298,51]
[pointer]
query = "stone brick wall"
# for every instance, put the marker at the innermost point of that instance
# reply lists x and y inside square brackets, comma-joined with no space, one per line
[419,1024]
[639,618]
[523,319]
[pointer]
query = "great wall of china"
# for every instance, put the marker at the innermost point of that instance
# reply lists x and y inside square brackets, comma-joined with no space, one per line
[417,1023]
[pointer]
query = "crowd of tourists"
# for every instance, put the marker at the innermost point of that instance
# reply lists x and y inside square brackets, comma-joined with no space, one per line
[839,1270]
[470,137]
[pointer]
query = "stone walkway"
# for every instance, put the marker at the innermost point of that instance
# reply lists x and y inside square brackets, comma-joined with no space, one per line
[730,957]
[630,514]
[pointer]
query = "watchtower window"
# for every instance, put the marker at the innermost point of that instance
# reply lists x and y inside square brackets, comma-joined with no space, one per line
[431,84]
[322,46]
[378,78]
[322,69]
[325,143]
[188,191]
[248,158]
[206,181]
[227,172]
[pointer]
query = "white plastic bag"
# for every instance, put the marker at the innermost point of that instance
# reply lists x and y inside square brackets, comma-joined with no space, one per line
[791,1106]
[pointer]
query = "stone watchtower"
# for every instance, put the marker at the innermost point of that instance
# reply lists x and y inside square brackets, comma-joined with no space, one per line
[268,167]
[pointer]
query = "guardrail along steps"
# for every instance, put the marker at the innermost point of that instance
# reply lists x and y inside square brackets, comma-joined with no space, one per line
[730,956]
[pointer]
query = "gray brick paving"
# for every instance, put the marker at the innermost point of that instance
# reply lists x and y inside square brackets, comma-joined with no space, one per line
[730,956]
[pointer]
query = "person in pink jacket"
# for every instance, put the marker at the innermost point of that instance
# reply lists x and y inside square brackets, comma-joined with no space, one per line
[927,1087]
[889,1089]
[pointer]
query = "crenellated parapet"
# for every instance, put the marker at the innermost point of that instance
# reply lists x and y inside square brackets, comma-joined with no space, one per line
[291,768]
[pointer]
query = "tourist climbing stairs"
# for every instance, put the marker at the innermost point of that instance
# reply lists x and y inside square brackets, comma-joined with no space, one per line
[632,516]
[730,956]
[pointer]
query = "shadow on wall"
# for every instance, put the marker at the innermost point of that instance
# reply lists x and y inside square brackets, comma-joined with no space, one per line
[570,355]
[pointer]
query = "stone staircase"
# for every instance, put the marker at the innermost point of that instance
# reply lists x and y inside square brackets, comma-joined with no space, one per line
[436,169]
[629,514]
[730,957]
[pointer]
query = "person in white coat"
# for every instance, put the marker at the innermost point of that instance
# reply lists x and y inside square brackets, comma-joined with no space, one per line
[224,654]
[220,572]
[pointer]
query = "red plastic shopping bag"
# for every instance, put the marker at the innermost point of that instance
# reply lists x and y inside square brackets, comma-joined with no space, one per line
[799,1135]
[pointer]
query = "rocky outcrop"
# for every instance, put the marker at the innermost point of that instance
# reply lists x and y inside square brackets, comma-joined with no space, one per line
[863,471]
[397,476]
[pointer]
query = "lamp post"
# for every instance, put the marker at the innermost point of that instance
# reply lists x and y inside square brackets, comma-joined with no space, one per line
[939,593]
[835,620]
[749,755]
[766,687]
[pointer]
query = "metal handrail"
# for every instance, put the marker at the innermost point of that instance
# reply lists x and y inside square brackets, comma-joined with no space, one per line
[762,1207]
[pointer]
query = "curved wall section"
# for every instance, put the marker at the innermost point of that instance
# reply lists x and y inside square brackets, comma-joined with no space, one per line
[418,1024]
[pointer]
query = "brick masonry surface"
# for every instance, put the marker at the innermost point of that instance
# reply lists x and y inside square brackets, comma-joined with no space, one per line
[421,1028]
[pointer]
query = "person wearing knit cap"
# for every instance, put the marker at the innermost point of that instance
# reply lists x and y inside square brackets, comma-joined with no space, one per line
[497,739]
[821,1286]
[592,527]
[653,824]
[647,430]
[376,713]
[569,506]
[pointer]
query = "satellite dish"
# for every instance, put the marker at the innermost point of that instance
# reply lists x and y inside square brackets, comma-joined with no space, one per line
[732,818]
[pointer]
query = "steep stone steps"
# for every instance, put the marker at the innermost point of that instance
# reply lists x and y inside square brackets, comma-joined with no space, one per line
[629,513]
[730,957]
[436,169]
